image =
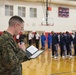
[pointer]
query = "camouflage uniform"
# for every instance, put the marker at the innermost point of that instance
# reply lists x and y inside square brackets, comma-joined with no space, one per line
[11,56]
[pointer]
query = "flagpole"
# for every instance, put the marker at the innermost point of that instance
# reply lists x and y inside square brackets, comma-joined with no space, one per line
[46,12]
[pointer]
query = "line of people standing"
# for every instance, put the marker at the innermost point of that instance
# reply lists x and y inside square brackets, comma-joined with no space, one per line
[65,42]
[33,38]
[62,40]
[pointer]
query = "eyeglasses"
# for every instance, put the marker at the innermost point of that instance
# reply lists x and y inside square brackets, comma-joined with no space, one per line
[22,28]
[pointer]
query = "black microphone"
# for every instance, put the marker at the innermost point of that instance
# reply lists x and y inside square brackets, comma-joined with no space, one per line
[21,41]
[21,38]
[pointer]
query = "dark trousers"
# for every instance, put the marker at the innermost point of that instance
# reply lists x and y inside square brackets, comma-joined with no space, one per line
[63,50]
[75,49]
[30,42]
[37,43]
[54,50]
[69,51]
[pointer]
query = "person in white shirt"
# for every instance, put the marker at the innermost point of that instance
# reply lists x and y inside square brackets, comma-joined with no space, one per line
[30,37]
[17,38]
[37,37]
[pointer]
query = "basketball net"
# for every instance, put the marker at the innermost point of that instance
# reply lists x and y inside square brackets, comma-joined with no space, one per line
[50,22]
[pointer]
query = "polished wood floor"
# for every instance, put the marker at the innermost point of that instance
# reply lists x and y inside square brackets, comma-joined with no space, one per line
[46,65]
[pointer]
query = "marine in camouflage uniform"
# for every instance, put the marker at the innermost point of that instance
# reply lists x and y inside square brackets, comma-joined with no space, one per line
[11,56]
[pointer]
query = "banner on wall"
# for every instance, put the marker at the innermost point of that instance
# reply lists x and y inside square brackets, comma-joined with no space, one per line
[63,12]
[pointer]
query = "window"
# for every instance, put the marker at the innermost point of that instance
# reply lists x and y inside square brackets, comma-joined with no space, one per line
[33,12]
[21,11]
[8,10]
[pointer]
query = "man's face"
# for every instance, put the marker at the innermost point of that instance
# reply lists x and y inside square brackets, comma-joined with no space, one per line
[19,28]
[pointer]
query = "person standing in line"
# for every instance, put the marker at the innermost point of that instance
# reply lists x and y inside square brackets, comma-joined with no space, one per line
[11,53]
[72,46]
[30,37]
[43,39]
[69,40]
[74,43]
[54,45]
[49,39]
[37,37]
[62,44]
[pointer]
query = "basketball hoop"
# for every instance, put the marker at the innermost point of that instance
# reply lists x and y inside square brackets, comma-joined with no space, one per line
[50,22]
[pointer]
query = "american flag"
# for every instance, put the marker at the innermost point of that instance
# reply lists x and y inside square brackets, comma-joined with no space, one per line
[63,12]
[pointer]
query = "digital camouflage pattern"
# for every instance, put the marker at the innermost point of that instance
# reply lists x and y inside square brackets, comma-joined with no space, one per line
[11,56]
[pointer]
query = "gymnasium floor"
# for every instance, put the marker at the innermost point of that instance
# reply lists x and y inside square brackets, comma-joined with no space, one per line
[46,65]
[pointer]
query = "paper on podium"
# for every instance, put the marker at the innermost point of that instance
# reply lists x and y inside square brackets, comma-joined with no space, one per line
[33,52]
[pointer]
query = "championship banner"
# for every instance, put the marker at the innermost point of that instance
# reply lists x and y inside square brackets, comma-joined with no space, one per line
[63,12]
